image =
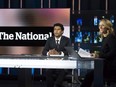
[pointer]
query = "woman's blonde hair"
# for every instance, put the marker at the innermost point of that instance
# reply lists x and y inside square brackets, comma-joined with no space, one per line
[108,25]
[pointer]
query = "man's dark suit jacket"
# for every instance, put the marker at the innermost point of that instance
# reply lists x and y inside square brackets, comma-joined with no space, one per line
[51,44]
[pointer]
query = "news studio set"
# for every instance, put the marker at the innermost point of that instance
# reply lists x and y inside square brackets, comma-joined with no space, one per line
[28,47]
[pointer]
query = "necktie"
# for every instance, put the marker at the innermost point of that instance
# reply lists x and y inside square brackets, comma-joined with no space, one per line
[57,45]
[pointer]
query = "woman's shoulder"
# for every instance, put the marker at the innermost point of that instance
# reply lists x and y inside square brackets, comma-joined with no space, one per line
[111,36]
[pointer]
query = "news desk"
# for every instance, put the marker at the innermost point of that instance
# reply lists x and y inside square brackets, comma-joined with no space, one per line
[26,62]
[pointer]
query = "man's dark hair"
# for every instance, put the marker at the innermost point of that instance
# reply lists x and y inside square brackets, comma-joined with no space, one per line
[60,25]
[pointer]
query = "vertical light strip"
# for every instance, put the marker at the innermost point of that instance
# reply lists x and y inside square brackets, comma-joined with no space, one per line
[40,71]
[73,6]
[79,6]
[21,4]
[41,3]
[106,8]
[8,3]
[8,71]
[49,3]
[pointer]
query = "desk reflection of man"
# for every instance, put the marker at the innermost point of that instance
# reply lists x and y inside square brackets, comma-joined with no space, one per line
[55,46]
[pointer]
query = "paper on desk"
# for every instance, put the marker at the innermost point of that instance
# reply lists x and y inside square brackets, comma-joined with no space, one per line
[83,53]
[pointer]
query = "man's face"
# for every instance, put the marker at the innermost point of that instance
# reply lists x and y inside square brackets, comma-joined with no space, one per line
[58,31]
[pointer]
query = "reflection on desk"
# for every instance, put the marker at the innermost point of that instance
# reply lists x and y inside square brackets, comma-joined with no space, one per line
[38,61]
[24,61]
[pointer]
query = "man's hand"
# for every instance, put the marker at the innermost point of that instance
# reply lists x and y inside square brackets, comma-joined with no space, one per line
[94,55]
[53,52]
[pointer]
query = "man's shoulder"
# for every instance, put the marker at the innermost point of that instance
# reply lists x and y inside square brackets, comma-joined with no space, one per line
[64,37]
[50,38]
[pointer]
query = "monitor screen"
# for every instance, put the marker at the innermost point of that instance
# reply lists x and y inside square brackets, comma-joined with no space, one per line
[87,37]
[78,37]
[97,38]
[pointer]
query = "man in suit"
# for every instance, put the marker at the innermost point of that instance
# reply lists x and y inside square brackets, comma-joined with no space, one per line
[56,46]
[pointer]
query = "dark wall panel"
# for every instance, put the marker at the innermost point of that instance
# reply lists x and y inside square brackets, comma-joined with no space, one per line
[31,3]
[112,4]
[54,3]
[69,4]
[85,4]
[62,3]
[3,3]
[102,4]
[92,4]
[15,3]
[46,3]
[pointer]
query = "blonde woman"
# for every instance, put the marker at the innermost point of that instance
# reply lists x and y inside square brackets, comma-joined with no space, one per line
[108,51]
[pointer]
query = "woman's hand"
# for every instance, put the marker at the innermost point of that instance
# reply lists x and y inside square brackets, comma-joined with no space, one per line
[95,55]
